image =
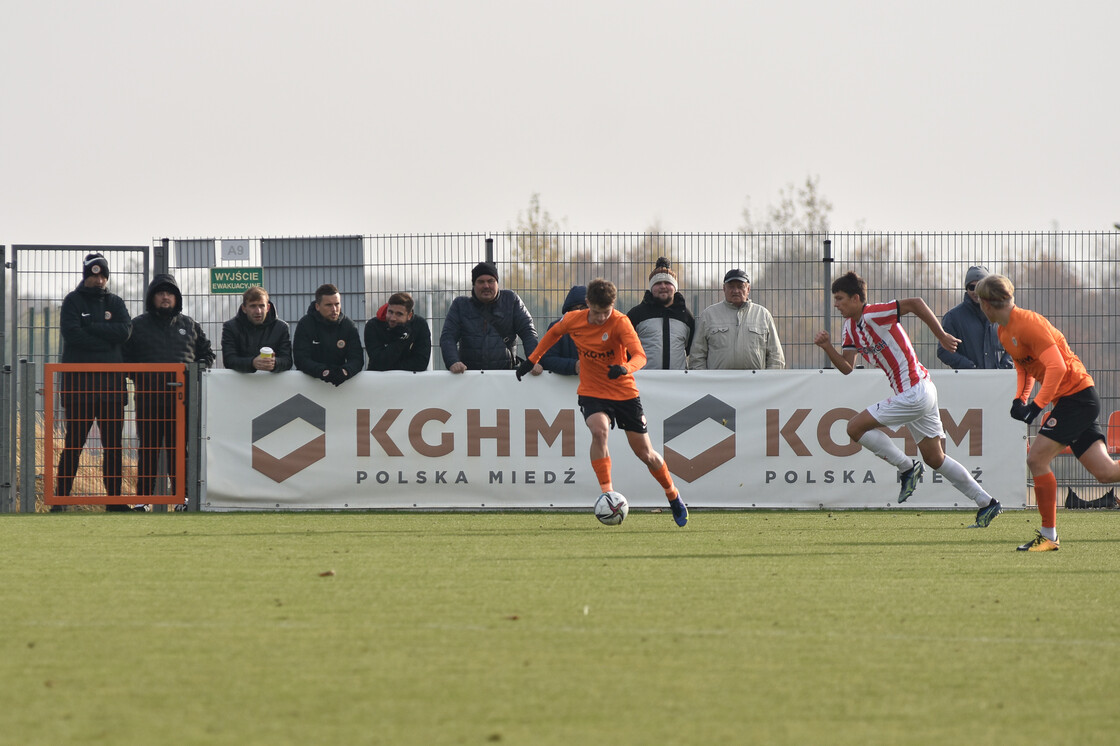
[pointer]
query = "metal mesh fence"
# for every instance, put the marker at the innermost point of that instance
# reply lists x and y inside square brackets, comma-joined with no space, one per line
[1068,277]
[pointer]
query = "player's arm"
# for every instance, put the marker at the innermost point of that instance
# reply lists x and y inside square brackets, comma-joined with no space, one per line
[1055,364]
[918,307]
[551,337]
[845,363]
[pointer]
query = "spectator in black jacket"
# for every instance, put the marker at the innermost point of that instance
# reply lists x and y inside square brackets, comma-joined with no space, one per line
[397,338]
[326,343]
[481,330]
[162,334]
[253,329]
[95,325]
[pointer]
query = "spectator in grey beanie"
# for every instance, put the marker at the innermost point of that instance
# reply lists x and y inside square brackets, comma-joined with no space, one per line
[979,347]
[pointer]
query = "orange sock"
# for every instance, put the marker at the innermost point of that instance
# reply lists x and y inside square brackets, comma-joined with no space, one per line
[665,479]
[1046,495]
[602,468]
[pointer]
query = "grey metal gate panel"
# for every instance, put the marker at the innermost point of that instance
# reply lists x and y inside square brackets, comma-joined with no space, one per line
[295,267]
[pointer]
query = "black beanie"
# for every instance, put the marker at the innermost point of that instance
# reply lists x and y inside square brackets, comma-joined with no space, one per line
[94,264]
[484,268]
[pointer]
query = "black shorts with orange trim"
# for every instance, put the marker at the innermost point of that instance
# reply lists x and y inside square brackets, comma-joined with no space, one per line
[626,415]
[1073,421]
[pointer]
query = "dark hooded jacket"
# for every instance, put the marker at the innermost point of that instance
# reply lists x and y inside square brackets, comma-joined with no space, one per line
[95,325]
[562,357]
[167,337]
[980,346]
[665,332]
[242,341]
[322,346]
[483,336]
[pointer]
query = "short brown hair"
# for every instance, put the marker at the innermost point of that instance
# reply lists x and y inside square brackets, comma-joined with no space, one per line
[325,289]
[996,289]
[254,293]
[601,293]
[852,284]
[401,299]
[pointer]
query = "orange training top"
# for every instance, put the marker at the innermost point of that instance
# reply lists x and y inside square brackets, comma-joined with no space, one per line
[1041,353]
[599,348]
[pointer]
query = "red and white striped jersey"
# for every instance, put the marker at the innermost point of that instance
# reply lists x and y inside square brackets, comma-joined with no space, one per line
[881,340]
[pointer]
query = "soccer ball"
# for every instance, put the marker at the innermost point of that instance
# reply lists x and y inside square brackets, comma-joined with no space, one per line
[611,508]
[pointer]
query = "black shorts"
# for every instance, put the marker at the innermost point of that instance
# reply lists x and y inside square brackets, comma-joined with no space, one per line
[627,415]
[1073,421]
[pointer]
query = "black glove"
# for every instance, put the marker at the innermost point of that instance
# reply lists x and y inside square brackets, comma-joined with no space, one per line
[525,368]
[1018,410]
[1032,412]
[615,371]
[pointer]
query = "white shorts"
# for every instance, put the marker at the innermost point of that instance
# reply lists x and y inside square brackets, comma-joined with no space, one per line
[916,407]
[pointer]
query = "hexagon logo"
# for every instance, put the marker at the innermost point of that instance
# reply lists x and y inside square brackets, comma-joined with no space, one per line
[298,407]
[696,414]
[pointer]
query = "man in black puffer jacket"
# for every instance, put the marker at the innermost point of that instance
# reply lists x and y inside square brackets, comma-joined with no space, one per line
[162,334]
[481,330]
[254,328]
[95,325]
[326,344]
[398,338]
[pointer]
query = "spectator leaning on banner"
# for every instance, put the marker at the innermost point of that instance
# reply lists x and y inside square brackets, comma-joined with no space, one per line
[162,334]
[481,330]
[255,339]
[980,346]
[326,343]
[736,334]
[563,357]
[95,325]
[664,324]
[397,338]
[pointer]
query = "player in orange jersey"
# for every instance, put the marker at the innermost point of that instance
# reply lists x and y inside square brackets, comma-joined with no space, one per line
[609,352]
[1042,354]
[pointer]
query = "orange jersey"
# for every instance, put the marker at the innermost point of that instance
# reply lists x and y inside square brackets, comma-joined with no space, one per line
[599,348]
[1026,336]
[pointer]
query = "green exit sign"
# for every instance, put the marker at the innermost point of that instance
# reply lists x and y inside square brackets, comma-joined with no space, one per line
[235,279]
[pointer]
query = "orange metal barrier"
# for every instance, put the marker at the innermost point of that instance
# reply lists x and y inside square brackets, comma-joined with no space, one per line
[128,414]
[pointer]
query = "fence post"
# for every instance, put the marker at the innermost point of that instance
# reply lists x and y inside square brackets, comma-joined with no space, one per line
[27,440]
[7,505]
[194,448]
[162,262]
[490,249]
[826,265]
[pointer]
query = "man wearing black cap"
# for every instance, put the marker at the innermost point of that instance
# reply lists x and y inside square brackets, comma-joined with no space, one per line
[95,325]
[162,334]
[979,347]
[481,330]
[736,334]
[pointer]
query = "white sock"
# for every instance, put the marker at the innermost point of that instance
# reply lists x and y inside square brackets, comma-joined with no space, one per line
[1049,533]
[959,477]
[879,443]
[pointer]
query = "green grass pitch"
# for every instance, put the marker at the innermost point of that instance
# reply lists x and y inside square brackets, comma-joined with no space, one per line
[547,628]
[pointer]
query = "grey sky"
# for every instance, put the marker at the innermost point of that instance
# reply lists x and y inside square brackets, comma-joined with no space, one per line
[131,119]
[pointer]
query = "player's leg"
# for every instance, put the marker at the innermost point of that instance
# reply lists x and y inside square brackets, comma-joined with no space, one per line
[933,453]
[1042,452]
[599,423]
[631,419]
[1100,464]
[864,429]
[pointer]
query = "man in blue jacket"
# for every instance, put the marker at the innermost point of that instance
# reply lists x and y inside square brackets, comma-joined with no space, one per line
[979,347]
[481,330]
[95,325]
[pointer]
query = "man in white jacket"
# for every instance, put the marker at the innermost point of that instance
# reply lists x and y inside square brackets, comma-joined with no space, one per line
[736,334]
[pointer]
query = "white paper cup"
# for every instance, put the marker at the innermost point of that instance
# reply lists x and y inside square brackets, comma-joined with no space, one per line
[267,353]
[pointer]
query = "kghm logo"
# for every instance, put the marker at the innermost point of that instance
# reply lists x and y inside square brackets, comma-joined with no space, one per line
[695,414]
[299,407]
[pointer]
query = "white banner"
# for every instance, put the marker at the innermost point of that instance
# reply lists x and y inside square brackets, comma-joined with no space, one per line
[733,439]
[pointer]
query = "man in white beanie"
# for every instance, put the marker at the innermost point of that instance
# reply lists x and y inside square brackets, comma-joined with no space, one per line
[663,322]
[979,347]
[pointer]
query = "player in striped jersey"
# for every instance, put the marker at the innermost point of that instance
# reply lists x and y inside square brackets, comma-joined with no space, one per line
[1042,354]
[609,353]
[873,330]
